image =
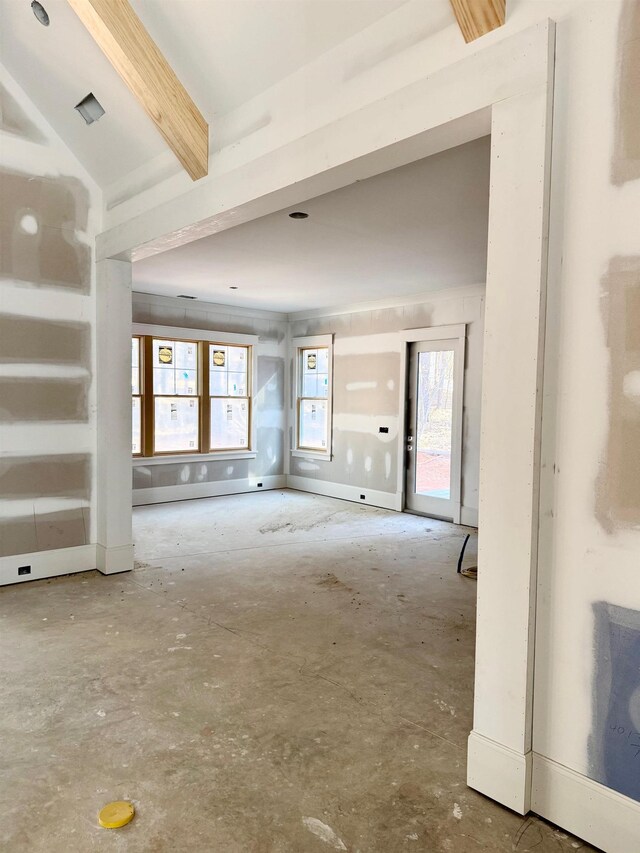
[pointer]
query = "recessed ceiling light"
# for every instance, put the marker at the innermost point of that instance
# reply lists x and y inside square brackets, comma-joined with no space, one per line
[298,214]
[40,12]
[184,296]
[90,108]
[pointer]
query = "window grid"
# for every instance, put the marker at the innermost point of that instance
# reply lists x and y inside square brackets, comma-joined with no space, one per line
[175,381]
[229,410]
[313,408]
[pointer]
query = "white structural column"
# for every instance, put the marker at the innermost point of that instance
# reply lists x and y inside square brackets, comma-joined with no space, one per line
[500,758]
[113,366]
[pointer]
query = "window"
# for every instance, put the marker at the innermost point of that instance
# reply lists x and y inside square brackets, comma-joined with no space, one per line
[189,396]
[313,404]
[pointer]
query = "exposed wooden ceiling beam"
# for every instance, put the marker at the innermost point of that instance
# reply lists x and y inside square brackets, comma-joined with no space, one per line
[478,17]
[128,46]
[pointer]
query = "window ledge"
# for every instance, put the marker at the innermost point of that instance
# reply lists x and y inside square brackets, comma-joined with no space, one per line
[144,461]
[309,454]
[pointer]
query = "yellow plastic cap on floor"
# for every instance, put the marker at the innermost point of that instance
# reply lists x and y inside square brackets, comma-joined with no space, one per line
[115,815]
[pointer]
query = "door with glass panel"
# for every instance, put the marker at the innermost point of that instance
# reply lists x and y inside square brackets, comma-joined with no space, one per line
[434,428]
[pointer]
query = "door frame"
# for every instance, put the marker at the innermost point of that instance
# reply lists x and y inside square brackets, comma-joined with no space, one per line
[456,332]
[507,89]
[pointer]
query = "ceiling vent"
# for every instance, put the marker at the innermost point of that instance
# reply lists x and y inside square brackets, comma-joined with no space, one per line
[90,108]
[184,296]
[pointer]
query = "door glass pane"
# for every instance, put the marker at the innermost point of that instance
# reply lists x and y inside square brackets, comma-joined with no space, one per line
[313,424]
[136,425]
[175,424]
[229,423]
[434,423]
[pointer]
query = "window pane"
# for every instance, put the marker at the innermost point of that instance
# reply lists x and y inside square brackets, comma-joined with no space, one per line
[187,382]
[237,359]
[309,385]
[434,423]
[313,424]
[229,423]
[135,365]
[136,425]
[176,424]
[218,384]
[315,372]
[175,367]
[237,385]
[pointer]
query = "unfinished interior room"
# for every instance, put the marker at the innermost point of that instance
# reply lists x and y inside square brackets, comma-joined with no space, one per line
[320,426]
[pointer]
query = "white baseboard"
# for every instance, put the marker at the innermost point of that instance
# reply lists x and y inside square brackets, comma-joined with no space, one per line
[586,808]
[111,561]
[165,494]
[469,516]
[47,564]
[499,772]
[372,497]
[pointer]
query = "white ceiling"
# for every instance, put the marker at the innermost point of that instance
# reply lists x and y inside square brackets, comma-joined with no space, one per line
[223,51]
[418,228]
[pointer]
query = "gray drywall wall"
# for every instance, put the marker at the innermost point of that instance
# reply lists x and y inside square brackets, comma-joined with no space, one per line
[367,384]
[269,388]
[49,213]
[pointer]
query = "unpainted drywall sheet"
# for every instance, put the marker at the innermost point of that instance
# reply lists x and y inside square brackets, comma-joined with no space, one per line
[588,614]
[367,384]
[269,381]
[49,213]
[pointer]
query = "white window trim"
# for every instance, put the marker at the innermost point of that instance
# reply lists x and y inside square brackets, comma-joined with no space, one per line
[206,335]
[297,345]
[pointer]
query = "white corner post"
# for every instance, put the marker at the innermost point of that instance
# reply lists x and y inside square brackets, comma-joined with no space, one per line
[500,745]
[113,367]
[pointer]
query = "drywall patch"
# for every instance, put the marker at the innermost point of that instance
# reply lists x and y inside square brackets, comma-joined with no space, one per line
[614,745]
[39,218]
[13,119]
[67,475]
[618,484]
[270,382]
[29,340]
[45,532]
[26,399]
[626,157]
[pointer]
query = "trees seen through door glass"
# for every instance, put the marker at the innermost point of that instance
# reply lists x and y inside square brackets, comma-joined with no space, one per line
[434,423]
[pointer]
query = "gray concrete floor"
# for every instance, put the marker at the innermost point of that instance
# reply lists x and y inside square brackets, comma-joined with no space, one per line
[282,673]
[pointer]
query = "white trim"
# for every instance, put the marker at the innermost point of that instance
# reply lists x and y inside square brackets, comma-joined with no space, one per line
[145,461]
[296,345]
[189,491]
[48,564]
[180,332]
[373,497]
[390,302]
[586,808]
[499,772]
[112,561]
[434,333]
[469,516]
[458,334]
[227,310]
[310,454]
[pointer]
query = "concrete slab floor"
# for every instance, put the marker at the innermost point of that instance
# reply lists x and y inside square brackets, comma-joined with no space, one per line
[282,673]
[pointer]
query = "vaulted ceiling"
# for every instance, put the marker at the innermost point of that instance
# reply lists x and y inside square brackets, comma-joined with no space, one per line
[224,52]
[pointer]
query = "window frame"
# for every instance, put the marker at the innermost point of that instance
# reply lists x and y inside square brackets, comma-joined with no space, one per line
[204,339]
[139,395]
[299,346]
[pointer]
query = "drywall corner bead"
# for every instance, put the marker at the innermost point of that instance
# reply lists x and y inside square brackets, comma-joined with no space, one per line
[626,157]
[618,482]
[13,120]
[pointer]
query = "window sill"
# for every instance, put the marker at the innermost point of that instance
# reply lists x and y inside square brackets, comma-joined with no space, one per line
[144,461]
[309,454]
